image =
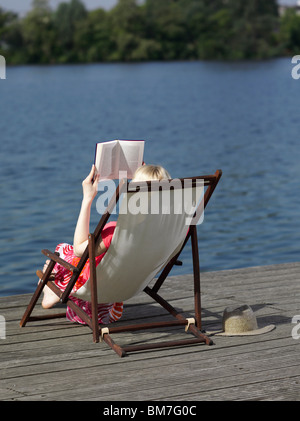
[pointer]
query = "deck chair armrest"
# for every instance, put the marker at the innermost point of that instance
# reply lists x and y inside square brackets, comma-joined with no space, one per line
[55,257]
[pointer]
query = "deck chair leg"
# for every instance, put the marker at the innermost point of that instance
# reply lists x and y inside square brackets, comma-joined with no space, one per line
[93,281]
[119,350]
[37,294]
[201,335]
[167,306]
[196,269]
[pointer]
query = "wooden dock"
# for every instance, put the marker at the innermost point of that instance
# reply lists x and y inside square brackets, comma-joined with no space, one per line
[57,360]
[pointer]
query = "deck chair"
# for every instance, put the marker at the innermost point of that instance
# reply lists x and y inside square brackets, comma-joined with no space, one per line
[156,220]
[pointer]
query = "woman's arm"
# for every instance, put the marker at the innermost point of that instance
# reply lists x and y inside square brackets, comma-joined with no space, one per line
[89,187]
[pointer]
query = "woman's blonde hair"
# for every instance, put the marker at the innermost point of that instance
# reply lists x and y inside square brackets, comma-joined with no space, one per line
[150,172]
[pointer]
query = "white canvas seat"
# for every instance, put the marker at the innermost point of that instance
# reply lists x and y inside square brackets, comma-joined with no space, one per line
[142,244]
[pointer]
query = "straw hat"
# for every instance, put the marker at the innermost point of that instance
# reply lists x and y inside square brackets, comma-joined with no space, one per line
[241,321]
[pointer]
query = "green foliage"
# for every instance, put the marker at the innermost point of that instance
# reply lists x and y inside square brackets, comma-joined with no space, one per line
[290,32]
[11,39]
[151,30]
[38,34]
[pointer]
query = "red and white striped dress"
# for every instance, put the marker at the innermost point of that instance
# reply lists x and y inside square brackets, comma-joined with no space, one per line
[107,313]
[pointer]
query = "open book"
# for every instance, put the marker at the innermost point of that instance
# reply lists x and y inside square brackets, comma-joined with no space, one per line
[118,156]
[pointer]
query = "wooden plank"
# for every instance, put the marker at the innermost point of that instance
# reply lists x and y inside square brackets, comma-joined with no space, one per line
[44,360]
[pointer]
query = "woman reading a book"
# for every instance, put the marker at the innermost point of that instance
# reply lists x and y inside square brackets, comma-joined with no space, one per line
[108,312]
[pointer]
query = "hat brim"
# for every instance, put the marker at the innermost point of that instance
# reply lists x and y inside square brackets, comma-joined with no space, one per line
[260,331]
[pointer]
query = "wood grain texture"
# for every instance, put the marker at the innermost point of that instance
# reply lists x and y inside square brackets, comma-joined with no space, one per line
[57,360]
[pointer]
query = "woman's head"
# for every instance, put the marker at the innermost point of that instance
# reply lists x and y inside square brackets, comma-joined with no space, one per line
[150,172]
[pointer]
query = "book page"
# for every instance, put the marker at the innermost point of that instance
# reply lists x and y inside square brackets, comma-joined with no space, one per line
[131,156]
[106,160]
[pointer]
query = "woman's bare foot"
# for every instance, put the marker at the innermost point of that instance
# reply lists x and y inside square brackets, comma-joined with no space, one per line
[50,298]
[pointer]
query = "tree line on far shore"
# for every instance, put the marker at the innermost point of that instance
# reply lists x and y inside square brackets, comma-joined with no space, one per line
[151,30]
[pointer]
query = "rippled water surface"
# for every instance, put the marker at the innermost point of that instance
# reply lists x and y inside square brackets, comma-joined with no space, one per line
[196,117]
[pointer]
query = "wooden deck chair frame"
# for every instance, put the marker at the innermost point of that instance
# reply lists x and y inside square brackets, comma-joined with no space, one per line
[193,325]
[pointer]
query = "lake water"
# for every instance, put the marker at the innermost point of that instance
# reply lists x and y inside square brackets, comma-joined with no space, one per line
[196,117]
